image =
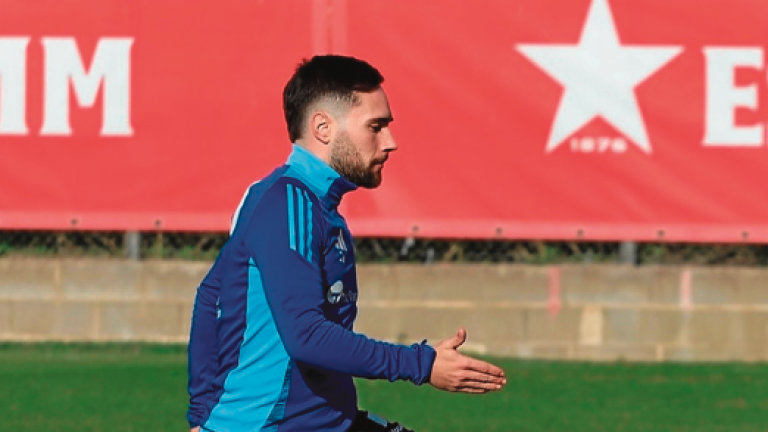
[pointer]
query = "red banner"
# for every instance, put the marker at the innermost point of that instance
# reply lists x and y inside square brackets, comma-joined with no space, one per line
[549,119]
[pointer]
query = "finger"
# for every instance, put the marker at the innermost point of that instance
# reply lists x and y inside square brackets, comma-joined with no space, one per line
[471,390]
[454,341]
[483,367]
[460,338]
[483,377]
[480,386]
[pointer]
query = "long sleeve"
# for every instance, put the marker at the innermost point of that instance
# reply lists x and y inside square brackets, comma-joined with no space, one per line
[203,345]
[285,238]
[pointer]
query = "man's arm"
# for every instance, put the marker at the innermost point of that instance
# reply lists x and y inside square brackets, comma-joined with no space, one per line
[203,345]
[284,237]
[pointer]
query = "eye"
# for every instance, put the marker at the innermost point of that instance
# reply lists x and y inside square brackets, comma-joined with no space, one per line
[376,128]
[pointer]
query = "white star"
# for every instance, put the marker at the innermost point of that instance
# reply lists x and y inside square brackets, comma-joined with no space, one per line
[599,76]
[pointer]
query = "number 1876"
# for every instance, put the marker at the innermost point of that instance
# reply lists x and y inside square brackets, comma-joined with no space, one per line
[599,145]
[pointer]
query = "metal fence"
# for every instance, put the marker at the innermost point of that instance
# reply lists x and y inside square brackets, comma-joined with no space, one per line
[205,246]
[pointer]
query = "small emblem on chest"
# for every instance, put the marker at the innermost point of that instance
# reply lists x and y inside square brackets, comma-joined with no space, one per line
[341,246]
[336,292]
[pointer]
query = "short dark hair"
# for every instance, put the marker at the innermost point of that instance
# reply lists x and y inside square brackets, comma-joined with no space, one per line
[325,76]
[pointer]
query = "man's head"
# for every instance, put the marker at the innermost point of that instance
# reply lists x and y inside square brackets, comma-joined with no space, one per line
[335,107]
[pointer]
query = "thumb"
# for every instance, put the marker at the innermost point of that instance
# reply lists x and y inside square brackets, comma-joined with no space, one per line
[459,339]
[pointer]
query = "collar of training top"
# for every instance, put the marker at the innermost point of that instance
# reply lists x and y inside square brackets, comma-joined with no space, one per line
[324,181]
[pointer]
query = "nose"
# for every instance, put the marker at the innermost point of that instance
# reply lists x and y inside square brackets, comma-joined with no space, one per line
[389,142]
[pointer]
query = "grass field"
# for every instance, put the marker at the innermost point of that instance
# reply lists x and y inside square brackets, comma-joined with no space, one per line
[52,388]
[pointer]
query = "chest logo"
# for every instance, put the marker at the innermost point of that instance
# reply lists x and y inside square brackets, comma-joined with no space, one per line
[341,246]
[336,292]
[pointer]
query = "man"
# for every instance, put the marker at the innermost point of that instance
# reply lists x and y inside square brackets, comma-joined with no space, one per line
[271,345]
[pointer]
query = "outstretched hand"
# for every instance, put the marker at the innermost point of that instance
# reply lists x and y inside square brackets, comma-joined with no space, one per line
[455,372]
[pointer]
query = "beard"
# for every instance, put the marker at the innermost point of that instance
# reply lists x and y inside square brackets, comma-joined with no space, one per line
[349,163]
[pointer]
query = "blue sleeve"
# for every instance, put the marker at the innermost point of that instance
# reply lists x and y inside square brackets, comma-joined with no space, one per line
[203,346]
[291,276]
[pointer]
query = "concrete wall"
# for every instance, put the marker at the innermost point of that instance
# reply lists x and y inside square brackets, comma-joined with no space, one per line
[567,312]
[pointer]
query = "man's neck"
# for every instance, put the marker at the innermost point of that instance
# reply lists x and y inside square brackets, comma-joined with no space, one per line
[318,149]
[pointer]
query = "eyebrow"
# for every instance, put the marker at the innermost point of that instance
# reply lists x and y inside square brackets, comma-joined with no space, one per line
[385,120]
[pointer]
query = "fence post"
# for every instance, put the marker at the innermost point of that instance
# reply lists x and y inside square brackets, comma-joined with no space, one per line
[132,245]
[628,253]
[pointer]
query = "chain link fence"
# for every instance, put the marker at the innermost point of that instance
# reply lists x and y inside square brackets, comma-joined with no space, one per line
[206,246]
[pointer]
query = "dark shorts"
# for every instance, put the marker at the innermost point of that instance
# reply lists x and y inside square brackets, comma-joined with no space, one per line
[367,422]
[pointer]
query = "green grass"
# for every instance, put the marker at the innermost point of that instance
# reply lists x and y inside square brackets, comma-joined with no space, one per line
[53,387]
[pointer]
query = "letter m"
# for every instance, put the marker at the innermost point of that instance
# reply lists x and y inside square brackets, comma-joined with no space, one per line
[110,70]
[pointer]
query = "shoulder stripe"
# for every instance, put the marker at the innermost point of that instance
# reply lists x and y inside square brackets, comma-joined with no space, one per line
[300,211]
[291,217]
[309,227]
[300,221]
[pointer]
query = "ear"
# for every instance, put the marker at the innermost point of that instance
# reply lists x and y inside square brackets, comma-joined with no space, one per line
[321,126]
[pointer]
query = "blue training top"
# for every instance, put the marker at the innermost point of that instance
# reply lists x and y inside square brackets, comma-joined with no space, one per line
[272,346]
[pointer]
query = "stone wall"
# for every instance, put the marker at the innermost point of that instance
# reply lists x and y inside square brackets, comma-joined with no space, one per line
[565,312]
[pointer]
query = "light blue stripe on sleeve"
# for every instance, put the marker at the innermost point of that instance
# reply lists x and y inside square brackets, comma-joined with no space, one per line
[309,227]
[300,211]
[291,218]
